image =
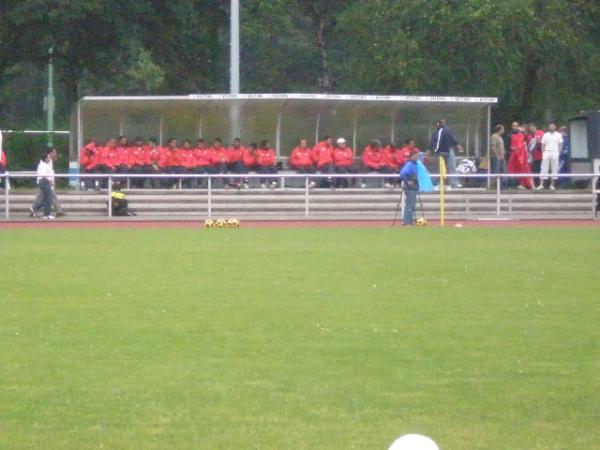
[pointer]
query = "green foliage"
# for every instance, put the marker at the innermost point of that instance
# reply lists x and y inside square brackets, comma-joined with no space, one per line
[539,57]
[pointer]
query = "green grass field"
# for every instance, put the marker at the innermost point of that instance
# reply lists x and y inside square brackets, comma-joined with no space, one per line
[299,338]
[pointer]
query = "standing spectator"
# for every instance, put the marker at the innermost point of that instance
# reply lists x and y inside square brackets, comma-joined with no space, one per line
[322,156]
[518,161]
[563,160]
[235,158]
[249,158]
[498,154]
[443,143]
[552,143]
[3,161]
[534,148]
[266,164]
[203,164]
[410,179]
[373,160]
[45,180]
[219,159]
[301,160]
[343,158]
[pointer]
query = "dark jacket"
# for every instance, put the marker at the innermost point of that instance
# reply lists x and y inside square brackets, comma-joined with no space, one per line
[446,140]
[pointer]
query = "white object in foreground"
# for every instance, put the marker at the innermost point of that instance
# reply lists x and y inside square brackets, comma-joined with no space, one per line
[414,442]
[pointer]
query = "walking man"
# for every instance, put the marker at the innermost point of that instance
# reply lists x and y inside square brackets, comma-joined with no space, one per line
[54,203]
[45,180]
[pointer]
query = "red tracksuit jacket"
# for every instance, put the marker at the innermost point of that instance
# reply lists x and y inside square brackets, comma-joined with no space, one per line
[343,157]
[301,157]
[265,157]
[372,158]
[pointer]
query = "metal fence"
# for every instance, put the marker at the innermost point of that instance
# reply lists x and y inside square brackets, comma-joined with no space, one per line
[494,183]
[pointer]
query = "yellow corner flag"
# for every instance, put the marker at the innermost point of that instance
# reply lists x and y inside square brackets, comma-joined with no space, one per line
[442,185]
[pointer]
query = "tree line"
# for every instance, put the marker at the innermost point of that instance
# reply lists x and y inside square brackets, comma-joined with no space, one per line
[539,57]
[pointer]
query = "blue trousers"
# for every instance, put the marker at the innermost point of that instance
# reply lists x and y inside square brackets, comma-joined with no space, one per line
[410,205]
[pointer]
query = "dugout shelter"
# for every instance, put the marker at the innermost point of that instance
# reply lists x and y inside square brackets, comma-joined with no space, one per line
[283,119]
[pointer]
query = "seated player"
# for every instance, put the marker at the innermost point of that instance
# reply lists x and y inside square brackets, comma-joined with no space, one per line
[187,161]
[138,161]
[387,159]
[169,163]
[87,161]
[322,156]
[220,159]
[301,160]
[266,164]
[249,159]
[105,161]
[235,164]
[203,163]
[151,161]
[343,158]
[373,160]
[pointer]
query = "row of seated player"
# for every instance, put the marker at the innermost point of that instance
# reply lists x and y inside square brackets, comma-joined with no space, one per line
[118,157]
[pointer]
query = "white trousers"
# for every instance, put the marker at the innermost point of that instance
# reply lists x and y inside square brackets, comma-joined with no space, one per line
[549,165]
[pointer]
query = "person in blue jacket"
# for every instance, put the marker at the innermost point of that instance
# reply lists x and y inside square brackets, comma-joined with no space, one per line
[410,182]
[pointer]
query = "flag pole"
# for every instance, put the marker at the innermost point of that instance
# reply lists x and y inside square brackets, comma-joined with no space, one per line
[442,187]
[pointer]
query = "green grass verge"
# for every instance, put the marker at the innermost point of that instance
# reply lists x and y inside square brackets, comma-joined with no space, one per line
[299,338]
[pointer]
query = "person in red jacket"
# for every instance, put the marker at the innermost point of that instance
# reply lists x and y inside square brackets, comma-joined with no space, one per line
[203,163]
[301,160]
[151,157]
[220,159]
[373,160]
[343,158]
[518,161]
[88,161]
[168,161]
[401,155]
[3,161]
[266,164]
[235,158]
[104,161]
[249,159]
[322,156]
[533,139]
[387,159]
[137,155]
[123,160]
[187,161]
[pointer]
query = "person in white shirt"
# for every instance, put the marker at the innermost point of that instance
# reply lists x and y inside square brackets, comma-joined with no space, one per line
[552,143]
[45,178]
[37,202]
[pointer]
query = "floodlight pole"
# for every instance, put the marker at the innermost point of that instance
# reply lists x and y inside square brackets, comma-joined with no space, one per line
[234,79]
[234,69]
[50,99]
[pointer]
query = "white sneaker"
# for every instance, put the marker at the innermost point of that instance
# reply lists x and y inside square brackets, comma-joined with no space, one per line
[263,186]
[312,184]
[363,185]
[246,186]
[387,186]
[448,188]
[437,187]
[458,185]
[50,217]
[552,188]
[520,186]
[273,184]
[540,187]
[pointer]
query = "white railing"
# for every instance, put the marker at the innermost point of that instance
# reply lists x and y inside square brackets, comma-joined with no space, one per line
[492,180]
